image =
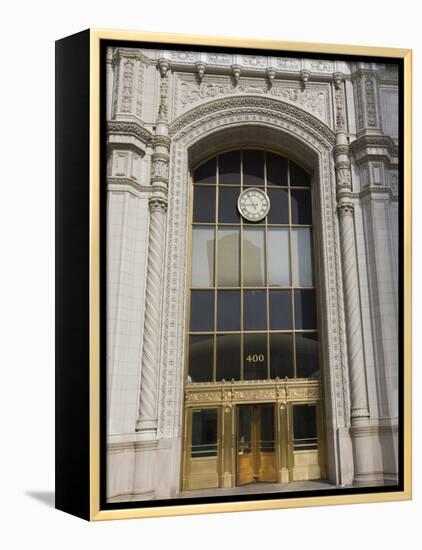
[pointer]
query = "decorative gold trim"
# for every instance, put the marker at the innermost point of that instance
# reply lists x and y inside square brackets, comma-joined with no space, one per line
[195,40]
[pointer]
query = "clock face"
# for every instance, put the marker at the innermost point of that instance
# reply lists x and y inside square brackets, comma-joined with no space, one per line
[253,204]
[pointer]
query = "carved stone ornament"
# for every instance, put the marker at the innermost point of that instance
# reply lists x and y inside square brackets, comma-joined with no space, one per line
[163,66]
[343,176]
[161,141]
[129,128]
[262,106]
[271,73]
[345,209]
[371,109]
[305,76]
[160,169]
[200,67]
[236,72]
[313,99]
[158,204]
[162,110]
[127,87]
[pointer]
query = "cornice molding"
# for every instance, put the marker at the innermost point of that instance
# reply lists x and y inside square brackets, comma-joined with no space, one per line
[375,141]
[132,128]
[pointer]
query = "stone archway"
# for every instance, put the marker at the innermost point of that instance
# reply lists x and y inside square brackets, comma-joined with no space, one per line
[255,120]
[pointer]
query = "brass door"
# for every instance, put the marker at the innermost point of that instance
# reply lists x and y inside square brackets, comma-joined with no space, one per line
[255,444]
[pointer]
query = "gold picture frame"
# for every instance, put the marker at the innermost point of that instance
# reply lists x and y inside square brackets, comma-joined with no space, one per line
[86,472]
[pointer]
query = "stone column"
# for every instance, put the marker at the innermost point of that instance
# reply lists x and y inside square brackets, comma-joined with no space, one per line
[357,374]
[148,406]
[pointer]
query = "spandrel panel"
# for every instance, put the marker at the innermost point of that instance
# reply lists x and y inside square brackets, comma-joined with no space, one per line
[228,257]
[202,256]
[229,168]
[206,173]
[253,257]
[202,310]
[227,204]
[228,310]
[228,357]
[307,355]
[200,358]
[276,169]
[253,167]
[255,357]
[302,257]
[278,256]
[203,204]
[281,355]
[279,201]
[254,310]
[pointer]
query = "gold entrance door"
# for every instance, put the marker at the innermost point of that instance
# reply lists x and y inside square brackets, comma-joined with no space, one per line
[255,444]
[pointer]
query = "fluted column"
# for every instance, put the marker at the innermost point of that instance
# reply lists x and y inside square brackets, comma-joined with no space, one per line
[148,404]
[357,374]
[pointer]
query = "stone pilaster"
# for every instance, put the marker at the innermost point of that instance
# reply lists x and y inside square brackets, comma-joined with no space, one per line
[148,407]
[365,85]
[357,374]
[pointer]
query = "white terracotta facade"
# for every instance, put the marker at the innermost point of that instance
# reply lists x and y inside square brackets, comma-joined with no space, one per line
[167,110]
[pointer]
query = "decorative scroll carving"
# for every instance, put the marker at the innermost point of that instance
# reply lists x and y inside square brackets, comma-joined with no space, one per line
[129,129]
[254,60]
[140,86]
[371,109]
[338,95]
[260,106]
[313,99]
[288,64]
[322,66]
[219,58]
[127,87]
[160,169]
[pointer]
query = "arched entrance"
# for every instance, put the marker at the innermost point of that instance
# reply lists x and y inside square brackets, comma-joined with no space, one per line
[253,407]
[250,122]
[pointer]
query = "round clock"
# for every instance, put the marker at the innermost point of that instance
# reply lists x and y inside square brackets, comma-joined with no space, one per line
[253,204]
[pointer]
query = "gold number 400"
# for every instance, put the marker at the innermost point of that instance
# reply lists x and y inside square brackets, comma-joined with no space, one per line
[255,358]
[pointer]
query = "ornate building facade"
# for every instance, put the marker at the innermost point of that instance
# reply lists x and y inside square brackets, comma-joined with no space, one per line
[244,350]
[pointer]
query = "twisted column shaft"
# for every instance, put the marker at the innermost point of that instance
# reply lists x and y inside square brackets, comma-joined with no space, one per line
[150,370]
[345,209]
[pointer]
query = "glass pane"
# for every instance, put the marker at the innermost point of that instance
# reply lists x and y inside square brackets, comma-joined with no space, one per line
[204,204]
[276,170]
[305,312]
[227,204]
[201,310]
[267,428]
[253,167]
[301,207]
[244,429]
[254,310]
[200,358]
[278,256]
[279,202]
[204,433]
[255,357]
[302,270]
[228,257]
[228,357]
[281,358]
[298,176]
[206,173]
[304,428]
[280,309]
[253,257]
[229,168]
[202,256]
[307,355]
[228,310]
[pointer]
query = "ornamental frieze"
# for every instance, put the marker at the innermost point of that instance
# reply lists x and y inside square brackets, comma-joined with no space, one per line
[315,98]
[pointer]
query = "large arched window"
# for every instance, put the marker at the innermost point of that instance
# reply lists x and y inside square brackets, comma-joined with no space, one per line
[252,309]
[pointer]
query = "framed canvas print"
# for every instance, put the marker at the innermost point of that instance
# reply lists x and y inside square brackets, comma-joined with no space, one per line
[233,274]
